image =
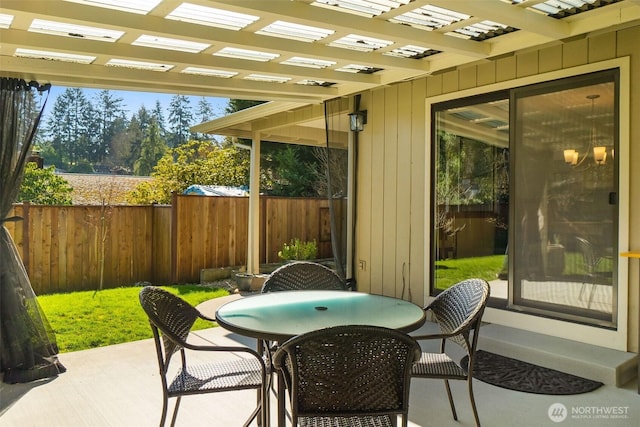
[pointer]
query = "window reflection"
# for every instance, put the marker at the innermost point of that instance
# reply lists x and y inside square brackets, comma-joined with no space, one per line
[564,212]
[472,190]
[525,196]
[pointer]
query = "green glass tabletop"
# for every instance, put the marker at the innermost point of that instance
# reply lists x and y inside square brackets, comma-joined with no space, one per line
[281,315]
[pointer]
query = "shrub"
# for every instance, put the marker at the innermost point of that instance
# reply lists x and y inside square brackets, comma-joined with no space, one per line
[196,162]
[299,250]
[82,166]
[44,187]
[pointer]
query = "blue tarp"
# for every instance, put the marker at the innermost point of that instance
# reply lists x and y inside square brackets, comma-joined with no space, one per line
[215,190]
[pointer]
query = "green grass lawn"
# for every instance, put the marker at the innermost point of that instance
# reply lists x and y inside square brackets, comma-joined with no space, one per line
[88,319]
[452,271]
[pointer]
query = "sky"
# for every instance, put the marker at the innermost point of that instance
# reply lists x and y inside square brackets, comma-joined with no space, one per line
[132,101]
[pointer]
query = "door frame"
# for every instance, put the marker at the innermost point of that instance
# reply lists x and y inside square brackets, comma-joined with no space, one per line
[611,338]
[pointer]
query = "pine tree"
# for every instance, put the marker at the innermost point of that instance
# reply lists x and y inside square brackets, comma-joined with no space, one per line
[71,127]
[235,105]
[152,149]
[204,110]
[159,116]
[109,120]
[204,113]
[180,120]
[136,132]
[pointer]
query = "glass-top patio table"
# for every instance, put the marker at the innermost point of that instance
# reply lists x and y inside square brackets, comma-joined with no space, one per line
[278,316]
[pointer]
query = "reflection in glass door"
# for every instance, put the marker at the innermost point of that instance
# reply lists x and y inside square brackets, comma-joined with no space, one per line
[525,196]
[564,206]
[471,194]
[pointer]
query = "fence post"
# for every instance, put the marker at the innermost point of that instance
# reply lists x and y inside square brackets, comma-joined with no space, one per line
[174,237]
[264,253]
[25,235]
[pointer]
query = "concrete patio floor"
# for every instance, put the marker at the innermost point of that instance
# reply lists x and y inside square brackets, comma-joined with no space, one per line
[119,386]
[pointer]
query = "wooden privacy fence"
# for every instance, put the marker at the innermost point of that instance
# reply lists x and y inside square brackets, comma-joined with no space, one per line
[64,247]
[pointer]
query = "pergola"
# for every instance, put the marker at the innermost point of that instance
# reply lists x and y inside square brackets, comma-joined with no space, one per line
[295,53]
[300,51]
[307,55]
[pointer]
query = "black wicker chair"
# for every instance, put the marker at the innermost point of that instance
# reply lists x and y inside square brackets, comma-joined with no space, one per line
[171,319]
[303,275]
[591,263]
[298,276]
[458,311]
[348,376]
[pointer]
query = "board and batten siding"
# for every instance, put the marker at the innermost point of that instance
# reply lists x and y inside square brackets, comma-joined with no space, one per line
[393,181]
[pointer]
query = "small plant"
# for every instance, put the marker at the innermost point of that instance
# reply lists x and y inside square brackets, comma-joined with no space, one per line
[298,250]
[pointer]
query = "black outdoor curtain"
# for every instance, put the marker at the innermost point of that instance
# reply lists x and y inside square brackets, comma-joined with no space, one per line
[337,167]
[27,343]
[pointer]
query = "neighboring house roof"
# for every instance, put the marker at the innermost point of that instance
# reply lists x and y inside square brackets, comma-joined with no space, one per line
[94,189]
[215,190]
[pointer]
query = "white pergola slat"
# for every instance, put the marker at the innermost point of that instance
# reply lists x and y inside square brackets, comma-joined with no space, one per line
[445,46]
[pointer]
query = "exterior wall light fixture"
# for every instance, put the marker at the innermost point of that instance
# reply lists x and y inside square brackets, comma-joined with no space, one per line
[357,120]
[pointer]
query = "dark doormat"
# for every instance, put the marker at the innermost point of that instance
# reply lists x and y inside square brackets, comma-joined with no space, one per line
[517,375]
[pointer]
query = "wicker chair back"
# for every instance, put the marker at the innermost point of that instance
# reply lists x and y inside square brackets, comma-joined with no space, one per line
[458,309]
[303,275]
[343,373]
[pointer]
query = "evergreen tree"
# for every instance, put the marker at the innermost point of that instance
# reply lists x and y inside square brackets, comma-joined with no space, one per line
[121,146]
[235,105]
[204,113]
[204,110]
[294,171]
[109,122]
[144,118]
[180,120]
[152,149]
[285,170]
[136,133]
[71,127]
[50,155]
[159,116]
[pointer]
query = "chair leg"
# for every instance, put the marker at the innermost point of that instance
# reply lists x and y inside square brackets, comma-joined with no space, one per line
[261,408]
[453,407]
[473,403]
[264,347]
[265,414]
[591,294]
[261,413]
[253,416]
[175,411]
[581,291]
[163,417]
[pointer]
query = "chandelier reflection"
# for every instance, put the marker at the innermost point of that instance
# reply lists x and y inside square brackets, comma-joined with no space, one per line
[572,156]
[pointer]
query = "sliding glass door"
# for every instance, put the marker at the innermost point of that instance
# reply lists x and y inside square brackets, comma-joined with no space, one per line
[564,201]
[525,196]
